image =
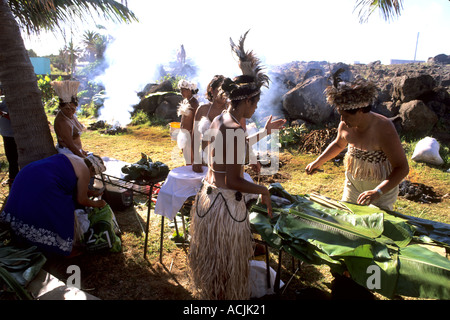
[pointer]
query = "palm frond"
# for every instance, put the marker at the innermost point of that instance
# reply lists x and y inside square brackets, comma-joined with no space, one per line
[47,15]
[389,9]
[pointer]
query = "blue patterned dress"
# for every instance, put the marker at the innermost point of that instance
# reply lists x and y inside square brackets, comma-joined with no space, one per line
[41,204]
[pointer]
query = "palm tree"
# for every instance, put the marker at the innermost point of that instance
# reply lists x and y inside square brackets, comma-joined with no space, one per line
[89,40]
[73,53]
[28,119]
[389,9]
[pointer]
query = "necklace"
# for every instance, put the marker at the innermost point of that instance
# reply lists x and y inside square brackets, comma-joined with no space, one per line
[234,119]
[74,122]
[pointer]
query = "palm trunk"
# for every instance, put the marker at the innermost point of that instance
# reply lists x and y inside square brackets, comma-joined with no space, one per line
[23,98]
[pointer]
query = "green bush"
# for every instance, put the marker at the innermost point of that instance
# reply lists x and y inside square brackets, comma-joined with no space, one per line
[44,84]
[291,136]
[140,117]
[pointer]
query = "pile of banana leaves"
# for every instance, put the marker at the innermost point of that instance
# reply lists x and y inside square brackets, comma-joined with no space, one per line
[18,265]
[145,169]
[385,252]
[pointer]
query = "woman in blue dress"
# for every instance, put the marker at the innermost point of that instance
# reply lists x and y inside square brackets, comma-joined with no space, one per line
[43,198]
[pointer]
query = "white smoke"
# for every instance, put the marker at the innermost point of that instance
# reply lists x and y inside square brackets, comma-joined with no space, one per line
[280,32]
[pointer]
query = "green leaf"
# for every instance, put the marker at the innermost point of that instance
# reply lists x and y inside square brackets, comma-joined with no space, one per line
[14,285]
[423,273]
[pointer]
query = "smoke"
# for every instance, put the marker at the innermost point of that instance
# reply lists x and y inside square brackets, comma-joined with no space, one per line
[138,51]
[136,55]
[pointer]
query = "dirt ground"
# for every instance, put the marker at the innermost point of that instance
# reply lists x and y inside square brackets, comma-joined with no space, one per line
[128,276]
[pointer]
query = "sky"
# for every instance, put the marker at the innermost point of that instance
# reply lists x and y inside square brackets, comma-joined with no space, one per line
[281,31]
[286,30]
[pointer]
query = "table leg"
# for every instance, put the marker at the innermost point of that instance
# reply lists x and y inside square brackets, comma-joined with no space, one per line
[267,266]
[161,239]
[149,208]
[277,278]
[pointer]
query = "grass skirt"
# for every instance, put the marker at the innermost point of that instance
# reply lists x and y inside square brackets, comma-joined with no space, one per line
[221,244]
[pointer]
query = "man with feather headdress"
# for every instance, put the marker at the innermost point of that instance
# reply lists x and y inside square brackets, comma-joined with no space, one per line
[221,241]
[375,161]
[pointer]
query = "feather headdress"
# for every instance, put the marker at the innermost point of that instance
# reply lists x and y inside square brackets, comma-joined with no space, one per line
[350,95]
[250,66]
[66,90]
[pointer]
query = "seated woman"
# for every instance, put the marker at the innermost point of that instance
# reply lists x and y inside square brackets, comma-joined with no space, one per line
[186,110]
[41,206]
[67,127]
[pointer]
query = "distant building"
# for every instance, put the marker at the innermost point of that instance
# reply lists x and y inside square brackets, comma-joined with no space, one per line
[397,61]
[41,65]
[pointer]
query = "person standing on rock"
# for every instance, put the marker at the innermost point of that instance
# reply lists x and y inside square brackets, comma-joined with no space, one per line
[375,162]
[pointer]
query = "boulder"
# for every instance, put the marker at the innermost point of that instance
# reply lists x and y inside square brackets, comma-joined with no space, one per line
[417,118]
[440,58]
[165,110]
[150,104]
[312,73]
[387,109]
[307,101]
[407,88]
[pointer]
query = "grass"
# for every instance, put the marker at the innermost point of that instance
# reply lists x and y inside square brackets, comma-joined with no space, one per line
[148,279]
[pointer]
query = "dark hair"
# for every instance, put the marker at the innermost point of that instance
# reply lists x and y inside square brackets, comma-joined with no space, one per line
[365,109]
[74,100]
[87,163]
[240,88]
[215,83]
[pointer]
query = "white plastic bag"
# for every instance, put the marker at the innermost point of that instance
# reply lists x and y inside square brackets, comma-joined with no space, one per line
[427,150]
[258,279]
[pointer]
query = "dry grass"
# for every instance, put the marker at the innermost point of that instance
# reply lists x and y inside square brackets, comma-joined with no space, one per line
[128,276]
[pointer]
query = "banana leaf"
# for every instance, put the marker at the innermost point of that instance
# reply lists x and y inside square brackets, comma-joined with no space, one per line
[423,273]
[16,287]
[355,238]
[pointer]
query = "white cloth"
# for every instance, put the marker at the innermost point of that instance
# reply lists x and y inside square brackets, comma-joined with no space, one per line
[258,279]
[181,183]
[114,167]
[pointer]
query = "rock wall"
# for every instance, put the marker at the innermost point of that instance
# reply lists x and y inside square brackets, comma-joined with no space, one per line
[416,96]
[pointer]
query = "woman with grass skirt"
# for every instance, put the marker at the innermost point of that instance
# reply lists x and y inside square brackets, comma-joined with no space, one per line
[375,162]
[221,241]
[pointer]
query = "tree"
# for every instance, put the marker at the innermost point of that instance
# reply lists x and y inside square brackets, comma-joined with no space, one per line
[89,40]
[389,9]
[72,52]
[28,118]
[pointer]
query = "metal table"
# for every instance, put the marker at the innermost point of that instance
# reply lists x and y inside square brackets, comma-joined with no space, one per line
[136,186]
